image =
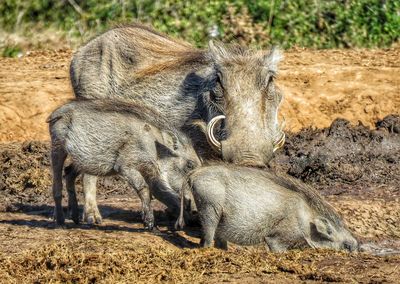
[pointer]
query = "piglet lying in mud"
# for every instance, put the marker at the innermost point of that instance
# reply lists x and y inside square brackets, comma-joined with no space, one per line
[104,138]
[249,206]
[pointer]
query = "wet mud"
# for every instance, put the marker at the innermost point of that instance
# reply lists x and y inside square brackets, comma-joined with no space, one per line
[346,160]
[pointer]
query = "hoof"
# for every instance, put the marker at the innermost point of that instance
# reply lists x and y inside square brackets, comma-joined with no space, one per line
[149,226]
[74,215]
[92,218]
[59,222]
[59,218]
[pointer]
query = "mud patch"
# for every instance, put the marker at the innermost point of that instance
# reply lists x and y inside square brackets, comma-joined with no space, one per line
[375,219]
[344,159]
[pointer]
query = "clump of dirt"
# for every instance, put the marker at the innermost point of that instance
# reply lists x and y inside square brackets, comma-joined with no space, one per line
[106,260]
[24,171]
[346,159]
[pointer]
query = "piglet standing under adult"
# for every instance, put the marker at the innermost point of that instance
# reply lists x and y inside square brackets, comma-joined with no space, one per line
[105,138]
[249,206]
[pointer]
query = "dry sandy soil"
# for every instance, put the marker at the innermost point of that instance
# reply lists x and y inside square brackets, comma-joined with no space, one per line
[356,167]
[319,86]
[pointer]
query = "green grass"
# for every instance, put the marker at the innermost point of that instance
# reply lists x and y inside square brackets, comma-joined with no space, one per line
[11,51]
[306,23]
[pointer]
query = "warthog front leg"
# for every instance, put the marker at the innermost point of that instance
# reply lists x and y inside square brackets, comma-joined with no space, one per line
[137,181]
[58,156]
[147,210]
[91,213]
[274,244]
[166,195]
[70,177]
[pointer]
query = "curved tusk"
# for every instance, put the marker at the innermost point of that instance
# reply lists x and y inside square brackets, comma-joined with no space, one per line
[215,144]
[280,142]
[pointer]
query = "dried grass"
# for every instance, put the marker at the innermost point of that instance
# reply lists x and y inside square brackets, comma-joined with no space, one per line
[120,261]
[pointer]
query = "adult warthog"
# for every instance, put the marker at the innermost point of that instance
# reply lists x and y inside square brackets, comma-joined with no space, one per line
[250,206]
[233,84]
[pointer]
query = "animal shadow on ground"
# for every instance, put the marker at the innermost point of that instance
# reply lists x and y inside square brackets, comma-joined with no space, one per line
[162,218]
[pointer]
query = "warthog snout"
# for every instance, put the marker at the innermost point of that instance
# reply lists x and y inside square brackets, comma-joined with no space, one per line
[257,155]
[250,152]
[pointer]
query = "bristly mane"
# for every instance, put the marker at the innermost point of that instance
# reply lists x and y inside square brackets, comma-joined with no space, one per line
[148,29]
[173,53]
[233,54]
[181,59]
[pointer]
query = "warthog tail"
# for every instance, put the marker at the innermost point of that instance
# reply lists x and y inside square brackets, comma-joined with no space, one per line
[180,222]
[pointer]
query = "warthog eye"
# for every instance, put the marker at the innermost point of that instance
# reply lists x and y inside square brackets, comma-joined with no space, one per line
[217,96]
[219,81]
[270,79]
[190,165]
[269,89]
[347,246]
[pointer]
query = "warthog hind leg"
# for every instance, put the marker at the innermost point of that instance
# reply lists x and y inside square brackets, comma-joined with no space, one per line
[210,217]
[70,177]
[221,244]
[58,156]
[91,214]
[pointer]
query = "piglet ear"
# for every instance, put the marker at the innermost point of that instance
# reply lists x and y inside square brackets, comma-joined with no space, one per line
[272,59]
[323,227]
[217,50]
[164,151]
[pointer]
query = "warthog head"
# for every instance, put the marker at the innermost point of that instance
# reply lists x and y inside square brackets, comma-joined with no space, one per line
[176,160]
[248,99]
[325,233]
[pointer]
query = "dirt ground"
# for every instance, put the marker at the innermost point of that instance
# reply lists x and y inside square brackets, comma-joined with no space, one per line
[354,162]
[319,86]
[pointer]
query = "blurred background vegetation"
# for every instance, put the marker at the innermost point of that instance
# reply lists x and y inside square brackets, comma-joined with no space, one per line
[304,23]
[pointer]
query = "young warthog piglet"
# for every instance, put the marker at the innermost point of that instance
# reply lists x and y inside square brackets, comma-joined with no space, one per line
[249,206]
[105,138]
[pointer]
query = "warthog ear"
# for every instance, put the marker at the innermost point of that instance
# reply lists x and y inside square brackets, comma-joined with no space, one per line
[272,59]
[163,151]
[323,227]
[217,50]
